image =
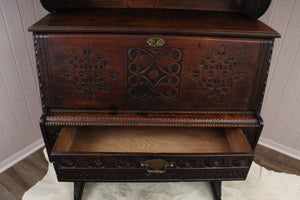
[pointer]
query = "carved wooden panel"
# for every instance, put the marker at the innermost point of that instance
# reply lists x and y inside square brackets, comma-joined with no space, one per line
[154,73]
[223,77]
[123,72]
[89,72]
[217,74]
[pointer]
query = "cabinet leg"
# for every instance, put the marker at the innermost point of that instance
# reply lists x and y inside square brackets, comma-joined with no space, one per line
[216,187]
[78,190]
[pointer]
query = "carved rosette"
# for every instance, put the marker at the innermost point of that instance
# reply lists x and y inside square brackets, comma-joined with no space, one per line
[89,72]
[214,162]
[67,163]
[216,74]
[95,163]
[154,73]
[185,163]
[126,163]
[135,162]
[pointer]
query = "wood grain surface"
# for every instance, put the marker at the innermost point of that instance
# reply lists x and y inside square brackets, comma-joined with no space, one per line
[237,140]
[152,140]
[152,21]
[22,176]
[153,60]
[187,73]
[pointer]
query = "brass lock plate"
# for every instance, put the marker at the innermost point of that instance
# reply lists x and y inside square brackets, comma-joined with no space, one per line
[156,165]
[156,41]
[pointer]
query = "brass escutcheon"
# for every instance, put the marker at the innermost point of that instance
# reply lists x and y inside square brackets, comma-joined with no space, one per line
[158,166]
[156,42]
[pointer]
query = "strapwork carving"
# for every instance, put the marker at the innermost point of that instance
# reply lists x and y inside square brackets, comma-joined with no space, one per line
[154,73]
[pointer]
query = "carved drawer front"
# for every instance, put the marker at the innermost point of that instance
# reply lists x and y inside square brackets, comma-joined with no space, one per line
[140,154]
[99,71]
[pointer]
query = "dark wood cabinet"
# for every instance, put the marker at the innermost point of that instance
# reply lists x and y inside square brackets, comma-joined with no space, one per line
[136,94]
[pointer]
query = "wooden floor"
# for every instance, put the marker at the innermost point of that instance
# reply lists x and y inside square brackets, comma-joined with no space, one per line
[22,176]
[275,161]
[19,178]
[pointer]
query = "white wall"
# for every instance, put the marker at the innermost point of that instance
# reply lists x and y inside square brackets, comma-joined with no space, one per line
[281,109]
[19,97]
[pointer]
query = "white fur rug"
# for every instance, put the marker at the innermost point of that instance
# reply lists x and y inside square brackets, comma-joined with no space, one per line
[261,184]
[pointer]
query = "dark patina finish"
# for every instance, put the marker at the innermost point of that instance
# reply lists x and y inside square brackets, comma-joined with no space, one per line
[155,65]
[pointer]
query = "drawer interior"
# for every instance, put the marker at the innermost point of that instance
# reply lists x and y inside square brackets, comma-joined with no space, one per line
[151,140]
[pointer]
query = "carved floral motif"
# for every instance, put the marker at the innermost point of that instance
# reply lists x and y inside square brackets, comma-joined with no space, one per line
[67,163]
[214,162]
[184,164]
[90,72]
[216,73]
[126,163]
[95,163]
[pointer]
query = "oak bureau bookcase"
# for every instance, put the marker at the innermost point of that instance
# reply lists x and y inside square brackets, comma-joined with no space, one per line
[152,90]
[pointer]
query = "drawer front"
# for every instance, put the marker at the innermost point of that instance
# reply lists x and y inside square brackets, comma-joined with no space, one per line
[93,71]
[129,168]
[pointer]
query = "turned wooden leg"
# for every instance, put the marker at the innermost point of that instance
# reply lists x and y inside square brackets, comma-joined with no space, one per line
[78,190]
[216,187]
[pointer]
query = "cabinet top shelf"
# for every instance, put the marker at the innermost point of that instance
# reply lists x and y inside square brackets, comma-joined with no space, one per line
[154,21]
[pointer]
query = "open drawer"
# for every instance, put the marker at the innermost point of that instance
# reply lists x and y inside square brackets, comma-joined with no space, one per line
[149,154]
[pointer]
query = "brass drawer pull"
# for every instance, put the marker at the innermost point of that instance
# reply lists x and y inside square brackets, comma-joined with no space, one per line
[157,166]
[156,41]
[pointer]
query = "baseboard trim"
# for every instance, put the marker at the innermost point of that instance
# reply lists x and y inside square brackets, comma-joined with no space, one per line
[7,163]
[280,148]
